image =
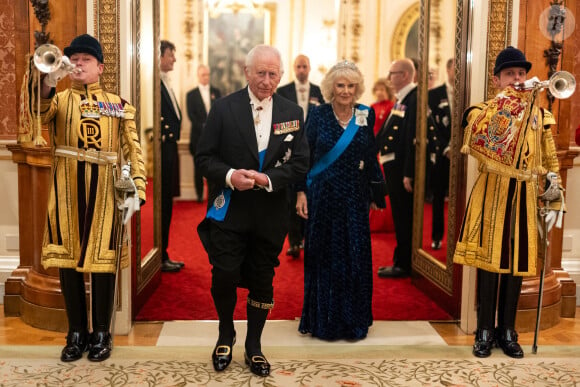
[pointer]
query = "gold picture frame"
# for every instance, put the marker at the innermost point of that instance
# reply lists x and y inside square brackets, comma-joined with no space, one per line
[228,37]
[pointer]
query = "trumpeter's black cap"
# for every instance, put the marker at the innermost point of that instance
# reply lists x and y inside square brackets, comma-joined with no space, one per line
[85,44]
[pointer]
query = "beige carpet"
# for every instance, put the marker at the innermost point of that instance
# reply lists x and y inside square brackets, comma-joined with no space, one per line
[338,365]
[284,333]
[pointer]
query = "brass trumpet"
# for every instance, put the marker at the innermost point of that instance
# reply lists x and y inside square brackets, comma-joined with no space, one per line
[48,59]
[561,84]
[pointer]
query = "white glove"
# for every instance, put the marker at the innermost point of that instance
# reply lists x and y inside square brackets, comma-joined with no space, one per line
[132,205]
[550,220]
[528,84]
[64,70]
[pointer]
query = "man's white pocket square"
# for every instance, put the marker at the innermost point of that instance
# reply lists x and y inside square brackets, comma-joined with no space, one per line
[288,138]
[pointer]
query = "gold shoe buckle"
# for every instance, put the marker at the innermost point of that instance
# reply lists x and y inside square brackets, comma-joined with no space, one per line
[226,348]
[258,359]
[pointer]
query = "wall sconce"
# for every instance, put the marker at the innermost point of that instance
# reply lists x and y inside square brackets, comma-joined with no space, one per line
[42,13]
[556,23]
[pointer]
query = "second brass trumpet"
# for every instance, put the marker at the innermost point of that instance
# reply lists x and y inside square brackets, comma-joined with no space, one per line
[561,84]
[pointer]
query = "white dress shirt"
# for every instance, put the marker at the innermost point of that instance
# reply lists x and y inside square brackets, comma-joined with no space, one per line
[262,113]
[302,94]
[167,82]
[205,96]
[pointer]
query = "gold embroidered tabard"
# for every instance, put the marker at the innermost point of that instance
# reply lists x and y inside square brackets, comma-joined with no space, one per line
[86,144]
[510,137]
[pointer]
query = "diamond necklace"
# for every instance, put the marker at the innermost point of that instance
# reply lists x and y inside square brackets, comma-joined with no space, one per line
[341,122]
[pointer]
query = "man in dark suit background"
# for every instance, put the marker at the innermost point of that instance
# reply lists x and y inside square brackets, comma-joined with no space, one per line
[440,99]
[252,148]
[305,94]
[199,101]
[301,91]
[170,132]
[395,141]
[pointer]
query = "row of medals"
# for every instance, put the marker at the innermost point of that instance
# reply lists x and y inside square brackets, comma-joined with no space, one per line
[94,109]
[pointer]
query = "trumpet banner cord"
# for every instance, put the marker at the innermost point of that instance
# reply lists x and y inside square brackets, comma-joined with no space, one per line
[186,295]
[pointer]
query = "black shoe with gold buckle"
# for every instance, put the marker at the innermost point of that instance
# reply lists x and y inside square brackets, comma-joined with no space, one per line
[258,364]
[222,355]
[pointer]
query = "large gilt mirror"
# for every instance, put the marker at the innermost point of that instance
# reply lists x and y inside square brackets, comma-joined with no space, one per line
[433,262]
[146,94]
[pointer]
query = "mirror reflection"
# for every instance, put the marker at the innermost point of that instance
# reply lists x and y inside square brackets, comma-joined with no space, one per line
[441,80]
[436,206]
[145,95]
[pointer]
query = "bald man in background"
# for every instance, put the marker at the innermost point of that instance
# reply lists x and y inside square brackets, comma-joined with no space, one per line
[305,94]
[395,141]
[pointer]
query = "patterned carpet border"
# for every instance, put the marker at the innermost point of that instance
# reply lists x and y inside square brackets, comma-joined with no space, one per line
[389,366]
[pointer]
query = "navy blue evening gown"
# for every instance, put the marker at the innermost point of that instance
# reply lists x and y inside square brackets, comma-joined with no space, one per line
[338,276]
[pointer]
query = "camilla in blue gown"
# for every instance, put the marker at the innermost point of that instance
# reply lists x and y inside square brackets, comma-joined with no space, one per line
[338,276]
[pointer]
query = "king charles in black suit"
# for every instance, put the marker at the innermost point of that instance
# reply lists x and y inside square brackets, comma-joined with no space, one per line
[252,148]
[197,113]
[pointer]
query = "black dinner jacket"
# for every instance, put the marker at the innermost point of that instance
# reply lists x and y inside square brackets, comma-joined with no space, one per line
[441,114]
[398,134]
[197,114]
[170,121]
[288,91]
[228,140]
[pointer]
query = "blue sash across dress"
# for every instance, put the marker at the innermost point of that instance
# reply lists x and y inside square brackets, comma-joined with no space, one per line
[338,148]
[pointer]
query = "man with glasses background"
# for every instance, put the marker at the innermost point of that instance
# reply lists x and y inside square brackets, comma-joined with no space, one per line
[395,141]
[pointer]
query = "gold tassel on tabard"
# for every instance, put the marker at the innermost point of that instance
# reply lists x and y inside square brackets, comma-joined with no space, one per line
[27,96]
[29,127]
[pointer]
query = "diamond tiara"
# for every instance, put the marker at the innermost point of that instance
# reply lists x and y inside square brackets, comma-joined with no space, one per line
[345,64]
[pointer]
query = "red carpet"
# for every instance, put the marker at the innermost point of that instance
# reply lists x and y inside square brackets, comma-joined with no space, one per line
[186,295]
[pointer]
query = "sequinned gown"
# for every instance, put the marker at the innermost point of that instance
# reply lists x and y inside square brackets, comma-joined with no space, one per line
[338,278]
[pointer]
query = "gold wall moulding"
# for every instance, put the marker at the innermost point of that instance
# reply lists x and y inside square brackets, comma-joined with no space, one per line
[107,31]
[402,29]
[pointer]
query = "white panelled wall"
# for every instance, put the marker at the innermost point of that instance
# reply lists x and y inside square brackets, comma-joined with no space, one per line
[571,242]
[9,247]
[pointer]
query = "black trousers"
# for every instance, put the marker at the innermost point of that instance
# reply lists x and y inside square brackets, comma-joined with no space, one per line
[169,179]
[72,285]
[439,188]
[506,298]
[295,222]
[402,209]
[198,182]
